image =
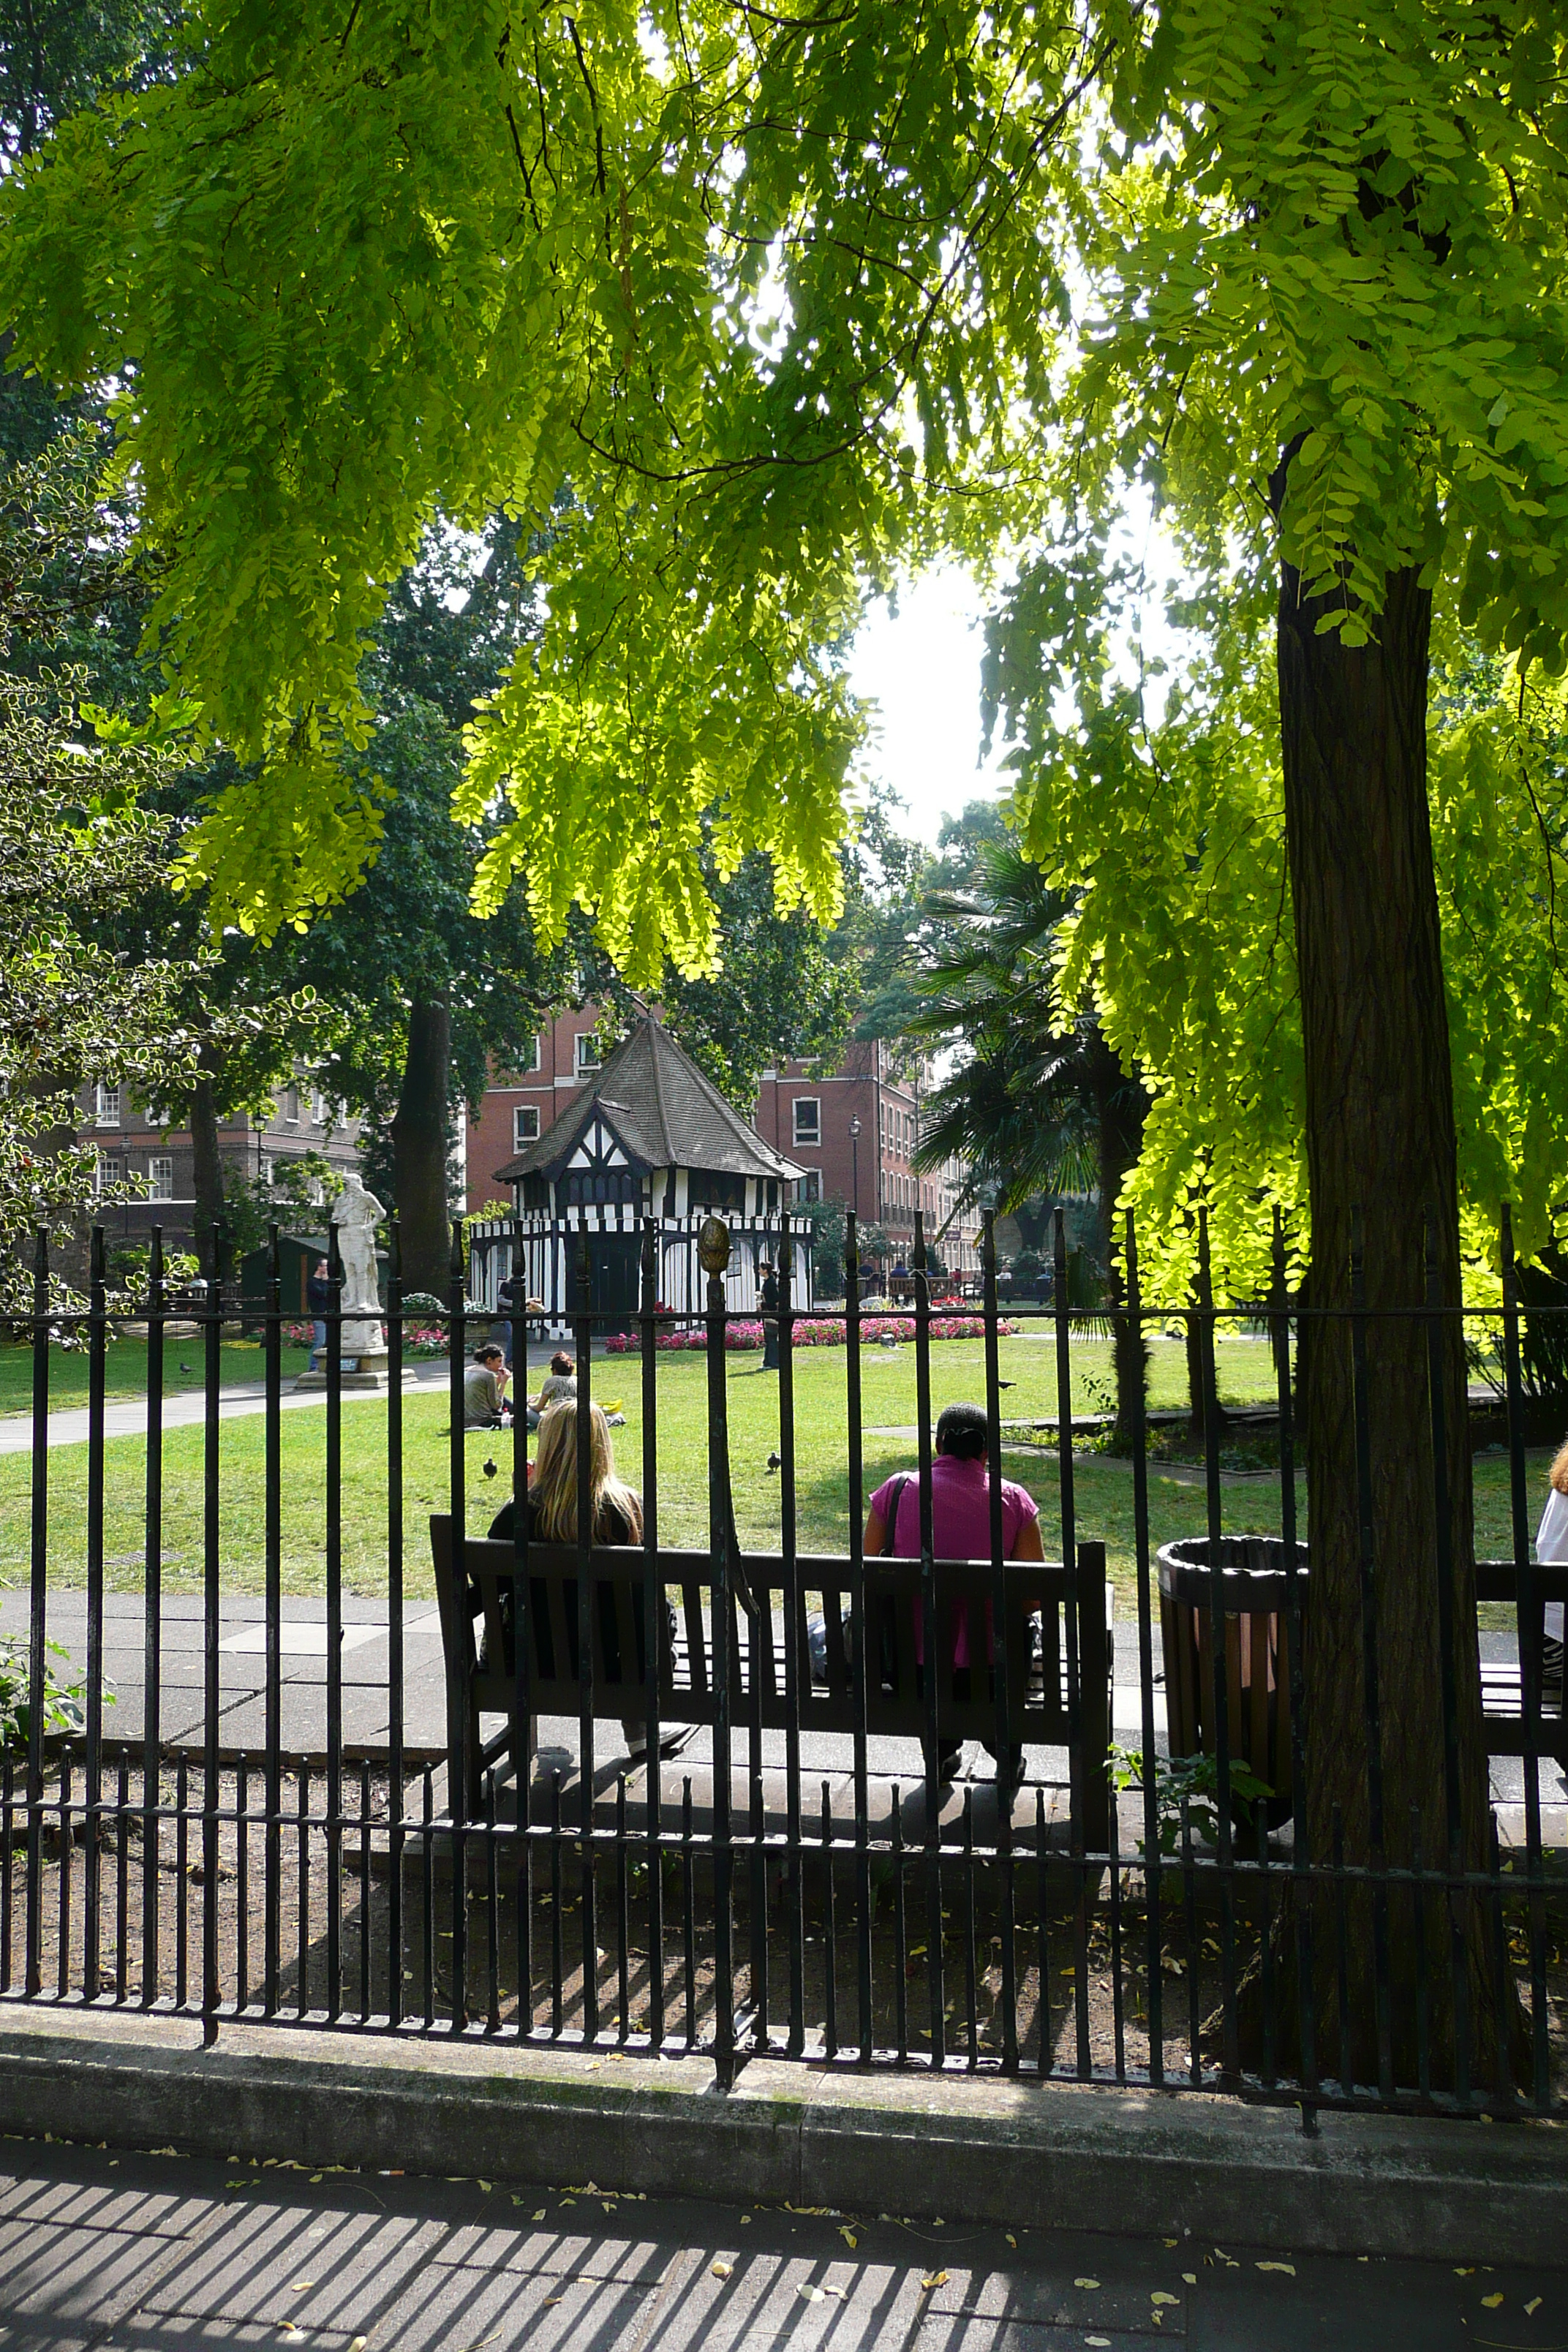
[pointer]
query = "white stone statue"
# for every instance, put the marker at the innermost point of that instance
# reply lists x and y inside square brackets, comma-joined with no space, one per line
[356,1214]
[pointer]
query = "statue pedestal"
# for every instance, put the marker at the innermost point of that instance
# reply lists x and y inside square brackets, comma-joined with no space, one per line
[371,1370]
[365,1359]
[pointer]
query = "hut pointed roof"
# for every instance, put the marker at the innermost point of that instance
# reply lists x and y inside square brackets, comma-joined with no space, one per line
[664,1114]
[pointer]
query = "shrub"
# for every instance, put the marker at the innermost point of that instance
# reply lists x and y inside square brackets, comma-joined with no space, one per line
[830,1331]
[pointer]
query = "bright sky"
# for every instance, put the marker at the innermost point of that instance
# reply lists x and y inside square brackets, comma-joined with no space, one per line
[921,666]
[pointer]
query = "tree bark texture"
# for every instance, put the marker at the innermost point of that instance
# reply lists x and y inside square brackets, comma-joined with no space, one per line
[1381,1161]
[419,1150]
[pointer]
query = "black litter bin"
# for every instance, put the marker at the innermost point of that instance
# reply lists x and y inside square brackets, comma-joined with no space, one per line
[1255,1603]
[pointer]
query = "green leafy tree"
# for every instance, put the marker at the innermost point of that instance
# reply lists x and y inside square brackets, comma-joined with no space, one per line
[1315,254]
[77,842]
[1034,1097]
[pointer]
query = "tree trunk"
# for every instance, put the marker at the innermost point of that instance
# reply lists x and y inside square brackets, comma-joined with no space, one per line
[1381,1156]
[419,1150]
[1120,1108]
[208,1211]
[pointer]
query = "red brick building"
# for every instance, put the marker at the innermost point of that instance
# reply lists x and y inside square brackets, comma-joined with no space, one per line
[521,1102]
[130,1144]
[855,1130]
[808,1119]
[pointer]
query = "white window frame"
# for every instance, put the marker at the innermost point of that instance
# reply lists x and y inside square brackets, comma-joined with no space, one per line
[110,1169]
[291,1105]
[161,1176]
[585,1054]
[520,1111]
[536,1061]
[809,1133]
[105,1105]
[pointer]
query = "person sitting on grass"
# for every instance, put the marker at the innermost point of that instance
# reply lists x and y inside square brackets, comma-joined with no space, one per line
[484,1388]
[961,1530]
[560,1381]
[617,1518]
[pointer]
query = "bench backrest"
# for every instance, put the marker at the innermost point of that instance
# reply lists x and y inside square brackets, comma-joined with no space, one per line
[1038,1600]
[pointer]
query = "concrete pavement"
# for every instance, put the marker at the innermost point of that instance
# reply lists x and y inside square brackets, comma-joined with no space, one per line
[103,2250]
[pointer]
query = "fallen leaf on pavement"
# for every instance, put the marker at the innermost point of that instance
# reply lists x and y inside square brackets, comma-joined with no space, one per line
[1190,2277]
[723,2270]
[937,2278]
[1159,2296]
[814,2294]
[1532,2306]
[1288,2268]
[1490,2302]
[849,2237]
[1086,2281]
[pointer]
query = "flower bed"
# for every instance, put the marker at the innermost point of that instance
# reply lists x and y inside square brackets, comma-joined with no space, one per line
[830,1332]
[418,1340]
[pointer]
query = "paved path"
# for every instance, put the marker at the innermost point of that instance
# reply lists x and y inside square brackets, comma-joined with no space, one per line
[128,1417]
[106,2252]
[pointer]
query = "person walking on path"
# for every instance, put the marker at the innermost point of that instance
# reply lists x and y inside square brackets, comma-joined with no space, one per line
[319,1296]
[769,1300]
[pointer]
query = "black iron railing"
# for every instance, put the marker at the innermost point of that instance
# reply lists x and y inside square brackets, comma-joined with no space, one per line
[807,1880]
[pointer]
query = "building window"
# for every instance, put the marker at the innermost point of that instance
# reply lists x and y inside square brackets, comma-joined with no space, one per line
[106,1105]
[318,1106]
[110,1169]
[618,1187]
[291,1106]
[808,1119]
[811,1185]
[524,1125]
[529,1059]
[587,1052]
[160,1178]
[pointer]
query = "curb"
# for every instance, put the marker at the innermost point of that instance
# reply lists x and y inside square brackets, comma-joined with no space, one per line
[995,2152]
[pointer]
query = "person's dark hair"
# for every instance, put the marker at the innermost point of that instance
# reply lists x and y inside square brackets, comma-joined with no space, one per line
[482,1355]
[561,1362]
[960,1431]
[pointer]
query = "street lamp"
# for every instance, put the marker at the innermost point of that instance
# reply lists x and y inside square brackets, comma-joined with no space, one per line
[855,1162]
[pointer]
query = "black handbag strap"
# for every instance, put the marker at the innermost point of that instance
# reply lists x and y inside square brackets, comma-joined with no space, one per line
[890,1528]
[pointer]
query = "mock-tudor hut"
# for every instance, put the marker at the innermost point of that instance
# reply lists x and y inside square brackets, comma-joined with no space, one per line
[650,1138]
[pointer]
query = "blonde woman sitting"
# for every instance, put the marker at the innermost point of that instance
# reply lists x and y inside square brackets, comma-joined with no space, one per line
[552,1507]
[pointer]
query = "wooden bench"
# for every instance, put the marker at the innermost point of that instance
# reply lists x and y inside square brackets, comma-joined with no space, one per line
[1503,1704]
[1036,1601]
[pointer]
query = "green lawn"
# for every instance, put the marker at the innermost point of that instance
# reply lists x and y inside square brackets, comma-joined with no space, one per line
[125,1370]
[1104,1486]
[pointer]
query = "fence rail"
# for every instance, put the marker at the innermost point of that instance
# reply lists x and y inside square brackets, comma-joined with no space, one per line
[314,1839]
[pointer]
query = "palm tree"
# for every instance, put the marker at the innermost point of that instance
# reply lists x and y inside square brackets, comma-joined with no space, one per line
[1037,1100]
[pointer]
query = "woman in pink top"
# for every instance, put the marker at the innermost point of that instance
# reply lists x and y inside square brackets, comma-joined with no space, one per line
[961,1530]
